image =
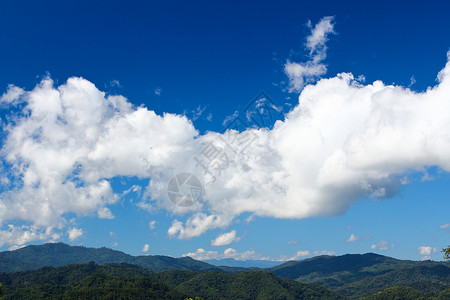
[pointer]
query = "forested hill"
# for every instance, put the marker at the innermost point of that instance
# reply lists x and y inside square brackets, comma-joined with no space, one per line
[60,254]
[123,281]
[355,275]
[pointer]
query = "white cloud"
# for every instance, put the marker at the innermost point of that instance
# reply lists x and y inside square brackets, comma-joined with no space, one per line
[426,250]
[300,254]
[197,113]
[105,213]
[145,248]
[225,239]
[75,233]
[444,226]
[18,236]
[381,245]
[157,91]
[152,225]
[12,96]
[301,74]
[342,142]
[111,234]
[202,254]
[292,243]
[196,225]
[324,252]
[354,238]
[115,83]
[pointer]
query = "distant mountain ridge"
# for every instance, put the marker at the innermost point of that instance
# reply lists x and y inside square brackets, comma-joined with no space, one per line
[353,276]
[60,254]
[358,275]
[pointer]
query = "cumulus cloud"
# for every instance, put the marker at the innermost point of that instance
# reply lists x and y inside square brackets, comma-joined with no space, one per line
[301,74]
[343,141]
[225,239]
[145,248]
[196,225]
[20,235]
[75,233]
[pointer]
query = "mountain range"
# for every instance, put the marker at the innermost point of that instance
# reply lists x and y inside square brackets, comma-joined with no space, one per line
[61,271]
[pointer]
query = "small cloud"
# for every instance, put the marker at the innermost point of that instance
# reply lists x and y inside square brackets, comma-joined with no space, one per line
[105,213]
[75,233]
[230,117]
[426,250]
[292,243]
[157,91]
[300,254]
[444,226]
[115,83]
[426,257]
[250,218]
[197,113]
[324,252]
[209,117]
[225,239]
[413,81]
[12,96]
[152,224]
[111,234]
[115,244]
[301,74]
[145,248]
[354,238]
[202,254]
[382,245]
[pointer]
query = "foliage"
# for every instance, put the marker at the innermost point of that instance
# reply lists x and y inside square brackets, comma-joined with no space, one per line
[356,276]
[60,254]
[446,252]
[124,281]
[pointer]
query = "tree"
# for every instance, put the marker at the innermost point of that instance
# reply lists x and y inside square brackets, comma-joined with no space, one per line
[446,252]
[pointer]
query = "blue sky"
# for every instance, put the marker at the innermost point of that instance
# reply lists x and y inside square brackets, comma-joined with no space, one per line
[359,167]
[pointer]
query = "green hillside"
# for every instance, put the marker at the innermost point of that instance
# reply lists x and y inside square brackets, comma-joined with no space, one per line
[356,276]
[124,281]
[60,254]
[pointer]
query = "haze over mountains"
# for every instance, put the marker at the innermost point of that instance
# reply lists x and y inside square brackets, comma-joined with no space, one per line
[102,271]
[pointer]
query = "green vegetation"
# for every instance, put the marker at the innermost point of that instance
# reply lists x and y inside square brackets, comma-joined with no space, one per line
[356,276]
[124,281]
[406,293]
[60,254]
[115,275]
[446,252]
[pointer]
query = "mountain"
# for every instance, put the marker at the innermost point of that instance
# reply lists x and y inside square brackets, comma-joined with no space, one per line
[231,262]
[60,254]
[356,276]
[124,281]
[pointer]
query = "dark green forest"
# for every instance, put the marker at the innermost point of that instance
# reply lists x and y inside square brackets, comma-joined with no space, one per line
[59,271]
[124,281]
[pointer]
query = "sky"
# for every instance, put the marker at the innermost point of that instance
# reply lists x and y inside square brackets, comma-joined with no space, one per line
[278,130]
